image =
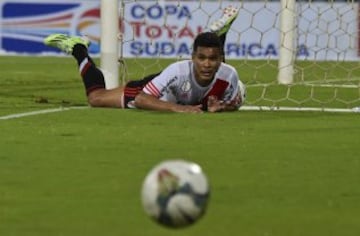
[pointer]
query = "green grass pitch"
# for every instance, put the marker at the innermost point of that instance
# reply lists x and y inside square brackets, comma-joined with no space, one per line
[79,172]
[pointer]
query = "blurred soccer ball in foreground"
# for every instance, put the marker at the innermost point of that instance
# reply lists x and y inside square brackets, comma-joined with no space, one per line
[175,193]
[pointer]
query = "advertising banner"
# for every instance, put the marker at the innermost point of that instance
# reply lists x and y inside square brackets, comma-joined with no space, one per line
[166,28]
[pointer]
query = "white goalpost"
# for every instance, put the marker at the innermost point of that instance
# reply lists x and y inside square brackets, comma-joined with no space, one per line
[109,42]
[291,55]
[287,44]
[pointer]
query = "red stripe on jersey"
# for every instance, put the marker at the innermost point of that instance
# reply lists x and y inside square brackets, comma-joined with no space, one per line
[152,89]
[217,90]
[85,69]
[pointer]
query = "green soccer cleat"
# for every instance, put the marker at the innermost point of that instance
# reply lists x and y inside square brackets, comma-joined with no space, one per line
[222,25]
[64,42]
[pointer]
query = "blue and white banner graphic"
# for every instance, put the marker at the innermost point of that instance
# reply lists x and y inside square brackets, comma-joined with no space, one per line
[24,24]
[167,28]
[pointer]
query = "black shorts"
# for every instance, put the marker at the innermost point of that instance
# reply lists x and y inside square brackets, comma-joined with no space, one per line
[133,88]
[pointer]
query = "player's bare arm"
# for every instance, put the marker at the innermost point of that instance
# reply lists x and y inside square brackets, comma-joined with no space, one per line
[149,102]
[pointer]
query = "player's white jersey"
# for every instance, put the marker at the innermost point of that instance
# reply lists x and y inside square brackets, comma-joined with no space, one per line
[177,84]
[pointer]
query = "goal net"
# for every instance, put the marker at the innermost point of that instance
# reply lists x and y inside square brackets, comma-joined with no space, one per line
[300,55]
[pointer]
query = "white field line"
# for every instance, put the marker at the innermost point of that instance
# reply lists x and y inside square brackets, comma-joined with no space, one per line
[243,108]
[39,112]
[318,109]
[308,85]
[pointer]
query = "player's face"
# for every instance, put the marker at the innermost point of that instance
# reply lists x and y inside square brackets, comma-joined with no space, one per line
[206,63]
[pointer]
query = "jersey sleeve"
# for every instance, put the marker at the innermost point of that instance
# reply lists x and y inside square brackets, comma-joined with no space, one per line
[161,84]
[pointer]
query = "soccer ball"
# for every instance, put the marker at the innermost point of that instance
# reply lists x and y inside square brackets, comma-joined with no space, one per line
[175,193]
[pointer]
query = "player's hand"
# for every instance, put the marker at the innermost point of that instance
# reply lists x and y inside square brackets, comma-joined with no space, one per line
[215,105]
[234,104]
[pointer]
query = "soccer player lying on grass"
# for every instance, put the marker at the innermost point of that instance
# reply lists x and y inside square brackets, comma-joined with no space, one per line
[204,83]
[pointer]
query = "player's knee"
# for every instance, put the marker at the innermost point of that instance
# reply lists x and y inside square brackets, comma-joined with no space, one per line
[95,100]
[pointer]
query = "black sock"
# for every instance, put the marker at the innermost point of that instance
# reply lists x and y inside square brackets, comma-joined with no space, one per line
[93,78]
[80,52]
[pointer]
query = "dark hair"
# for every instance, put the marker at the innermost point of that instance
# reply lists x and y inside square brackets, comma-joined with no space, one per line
[207,39]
